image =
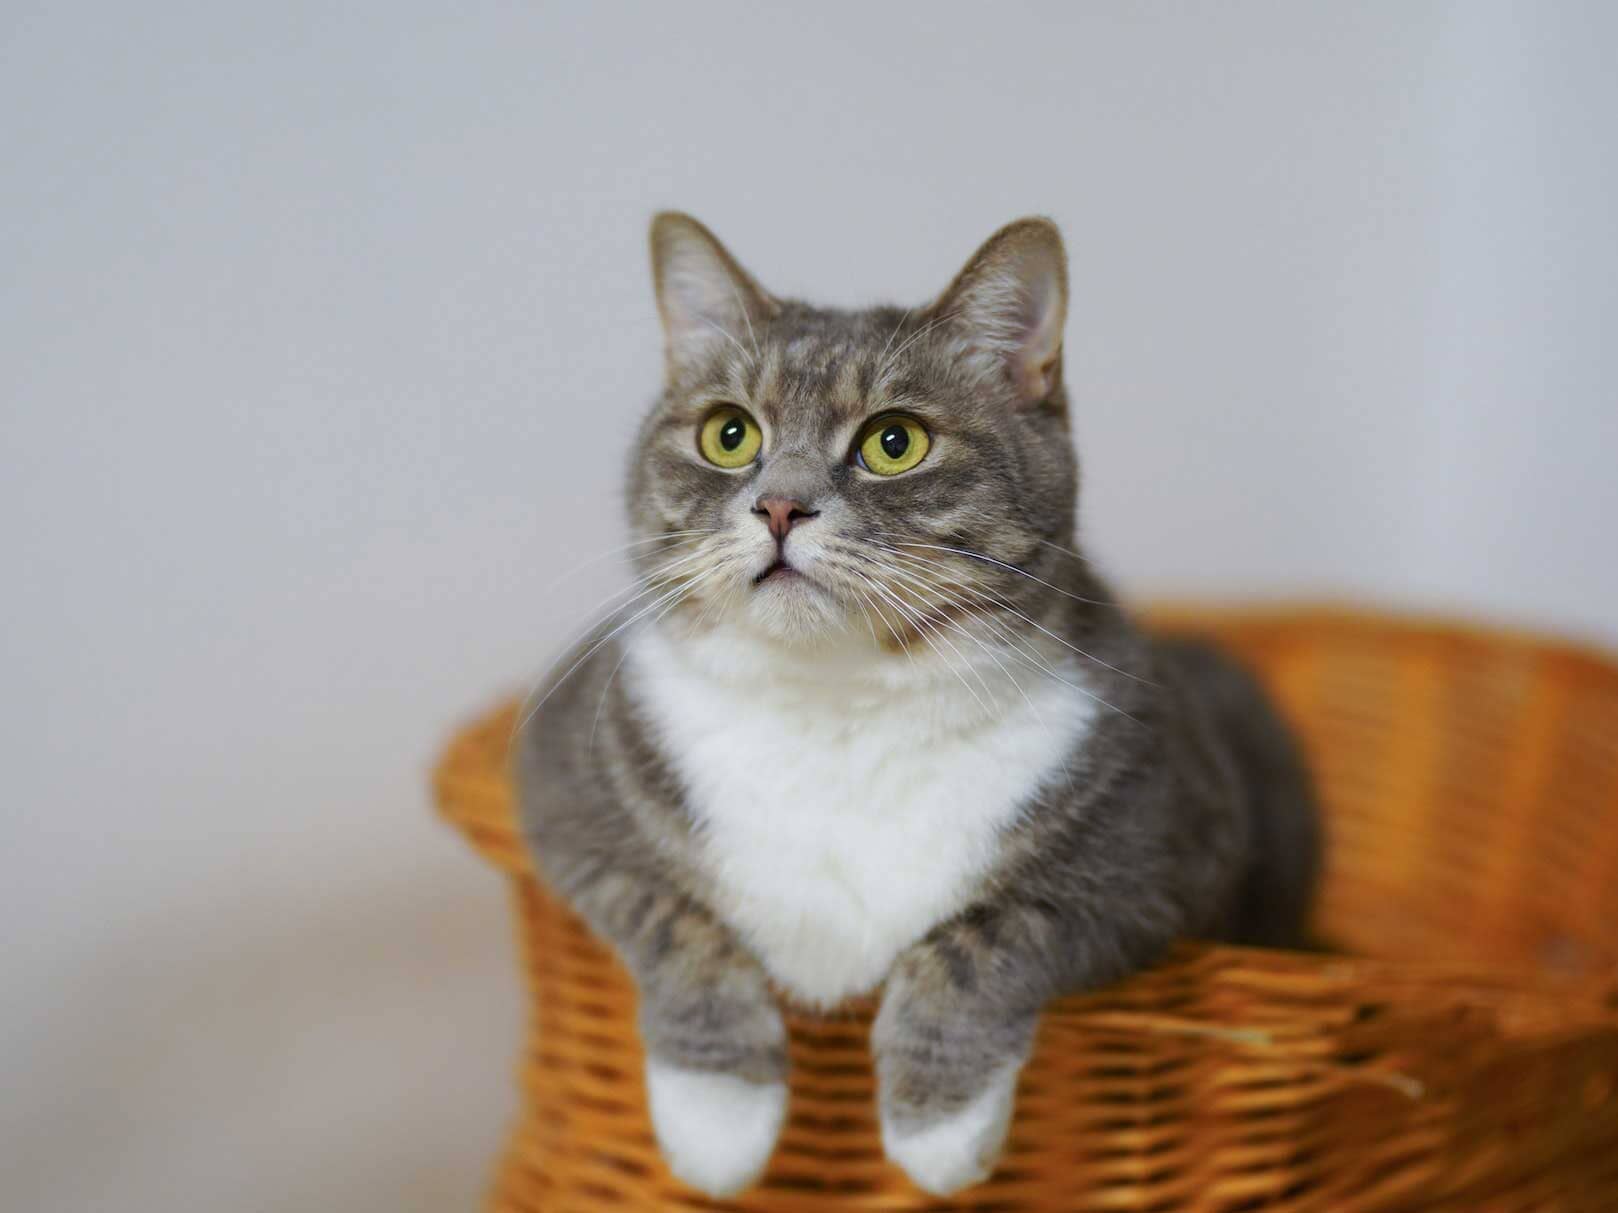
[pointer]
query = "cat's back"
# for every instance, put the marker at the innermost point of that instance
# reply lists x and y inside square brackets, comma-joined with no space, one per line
[1223,699]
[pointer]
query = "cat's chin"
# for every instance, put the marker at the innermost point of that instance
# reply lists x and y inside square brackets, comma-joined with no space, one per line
[790,608]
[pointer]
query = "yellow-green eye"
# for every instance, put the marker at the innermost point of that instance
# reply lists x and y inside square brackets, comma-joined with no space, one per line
[729,438]
[891,445]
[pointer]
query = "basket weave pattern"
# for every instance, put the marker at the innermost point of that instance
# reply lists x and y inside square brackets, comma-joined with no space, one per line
[1464,1057]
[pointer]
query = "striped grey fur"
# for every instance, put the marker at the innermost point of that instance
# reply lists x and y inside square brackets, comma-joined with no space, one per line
[1185,810]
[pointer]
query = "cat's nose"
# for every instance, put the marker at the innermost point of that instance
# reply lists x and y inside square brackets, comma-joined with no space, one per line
[781,514]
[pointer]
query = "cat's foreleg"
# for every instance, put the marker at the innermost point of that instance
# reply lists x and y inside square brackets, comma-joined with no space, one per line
[957,1022]
[948,1047]
[715,1043]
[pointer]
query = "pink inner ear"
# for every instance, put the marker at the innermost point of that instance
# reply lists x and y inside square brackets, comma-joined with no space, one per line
[1012,303]
[700,298]
[703,296]
[1041,339]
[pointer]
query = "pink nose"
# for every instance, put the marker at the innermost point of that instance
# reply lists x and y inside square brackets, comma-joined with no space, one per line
[781,514]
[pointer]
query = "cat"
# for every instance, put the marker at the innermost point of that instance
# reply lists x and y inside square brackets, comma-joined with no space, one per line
[872,721]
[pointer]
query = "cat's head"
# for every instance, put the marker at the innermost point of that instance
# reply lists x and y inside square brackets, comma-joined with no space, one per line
[813,474]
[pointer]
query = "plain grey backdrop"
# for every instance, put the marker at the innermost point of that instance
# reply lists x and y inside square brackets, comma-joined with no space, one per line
[323,332]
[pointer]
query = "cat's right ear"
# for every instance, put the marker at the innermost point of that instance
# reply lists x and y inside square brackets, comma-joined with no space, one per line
[704,296]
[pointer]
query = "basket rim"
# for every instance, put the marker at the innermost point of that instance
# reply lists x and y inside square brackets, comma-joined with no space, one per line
[1414,622]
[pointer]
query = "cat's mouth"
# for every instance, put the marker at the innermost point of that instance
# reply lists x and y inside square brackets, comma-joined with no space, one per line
[778,570]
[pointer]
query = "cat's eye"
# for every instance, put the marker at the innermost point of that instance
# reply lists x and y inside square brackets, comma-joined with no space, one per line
[892,444]
[729,438]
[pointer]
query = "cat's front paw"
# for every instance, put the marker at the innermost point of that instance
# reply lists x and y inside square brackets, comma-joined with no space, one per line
[959,1148]
[717,1131]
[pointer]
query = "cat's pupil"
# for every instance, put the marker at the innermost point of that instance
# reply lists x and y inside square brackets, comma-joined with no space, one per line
[895,441]
[730,434]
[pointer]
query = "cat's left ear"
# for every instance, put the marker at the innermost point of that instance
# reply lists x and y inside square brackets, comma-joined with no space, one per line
[1009,306]
[703,294]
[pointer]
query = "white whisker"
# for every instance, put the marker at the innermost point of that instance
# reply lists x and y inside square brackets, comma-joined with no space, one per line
[607,688]
[685,538]
[679,590]
[917,622]
[1056,547]
[658,577]
[1027,653]
[896,329]
[625,644]
[911,340]
[957,626]
[898,635]
[1006,606]
[747,317]
[1010,568]
[728,338]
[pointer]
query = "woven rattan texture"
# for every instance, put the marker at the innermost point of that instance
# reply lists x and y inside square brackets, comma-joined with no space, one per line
[1464,1057]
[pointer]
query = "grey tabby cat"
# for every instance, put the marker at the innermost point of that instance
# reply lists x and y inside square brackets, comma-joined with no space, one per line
[871,721]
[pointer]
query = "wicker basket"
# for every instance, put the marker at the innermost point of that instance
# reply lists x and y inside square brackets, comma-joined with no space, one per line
[1465,1058]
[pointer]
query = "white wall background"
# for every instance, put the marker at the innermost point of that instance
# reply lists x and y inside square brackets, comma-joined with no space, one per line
[323,330]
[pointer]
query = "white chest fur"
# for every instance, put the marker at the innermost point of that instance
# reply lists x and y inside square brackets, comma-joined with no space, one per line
[842,817]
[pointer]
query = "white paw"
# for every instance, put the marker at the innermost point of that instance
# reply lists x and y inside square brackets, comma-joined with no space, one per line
[716,1131]
[952,1154]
